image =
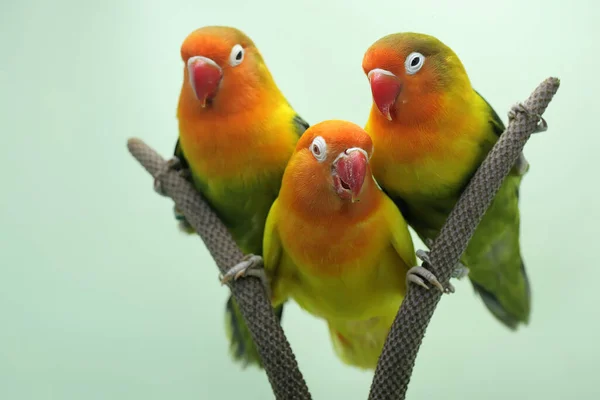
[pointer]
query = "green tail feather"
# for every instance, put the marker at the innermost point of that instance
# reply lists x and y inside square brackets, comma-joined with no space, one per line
[493,255]
[241,346]
[513,320]
[497,270]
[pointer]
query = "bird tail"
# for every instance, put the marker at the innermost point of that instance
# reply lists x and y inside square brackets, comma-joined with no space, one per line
[511,310]
[241,345]
[360,347]
[497,270]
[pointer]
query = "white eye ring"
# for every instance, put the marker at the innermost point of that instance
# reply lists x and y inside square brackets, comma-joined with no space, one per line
[414,62]
[318,148]
[236,56]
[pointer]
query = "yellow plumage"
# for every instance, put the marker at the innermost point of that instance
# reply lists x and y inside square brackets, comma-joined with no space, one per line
[341,261]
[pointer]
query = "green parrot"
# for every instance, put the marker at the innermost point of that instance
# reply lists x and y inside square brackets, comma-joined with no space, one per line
[431,131]
[236,134]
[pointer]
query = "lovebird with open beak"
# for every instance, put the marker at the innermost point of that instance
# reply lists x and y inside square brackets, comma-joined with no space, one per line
[336,244]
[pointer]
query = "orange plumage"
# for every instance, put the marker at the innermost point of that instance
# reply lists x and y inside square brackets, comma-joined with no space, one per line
[248,129]
[432,131]
[236,134]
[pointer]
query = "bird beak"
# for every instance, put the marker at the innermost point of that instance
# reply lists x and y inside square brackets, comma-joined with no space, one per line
[350,168]
[385,88]
[205,77]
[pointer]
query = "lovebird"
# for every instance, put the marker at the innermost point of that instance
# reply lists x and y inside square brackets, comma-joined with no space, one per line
[237,132]
[432,131]
[336,244]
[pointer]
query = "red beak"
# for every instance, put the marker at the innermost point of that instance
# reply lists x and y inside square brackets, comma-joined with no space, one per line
[385,87]
[350,169]
[205,77]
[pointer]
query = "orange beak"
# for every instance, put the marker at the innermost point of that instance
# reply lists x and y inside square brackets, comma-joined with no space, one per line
[385,88]
[205,77]
[350,168]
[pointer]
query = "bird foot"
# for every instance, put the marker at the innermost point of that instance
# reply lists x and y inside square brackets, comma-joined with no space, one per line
[420,274]
[251,265]
[542,125]
[172,164]
[417,274]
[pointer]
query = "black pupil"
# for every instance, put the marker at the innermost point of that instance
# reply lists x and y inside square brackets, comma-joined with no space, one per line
[239,55]
[316,149]
[415,61]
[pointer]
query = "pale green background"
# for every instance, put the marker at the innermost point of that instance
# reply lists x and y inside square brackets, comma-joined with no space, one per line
[102,298]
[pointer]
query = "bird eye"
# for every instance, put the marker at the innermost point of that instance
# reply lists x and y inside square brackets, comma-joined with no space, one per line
[414,62]
[319,148]
[237,55]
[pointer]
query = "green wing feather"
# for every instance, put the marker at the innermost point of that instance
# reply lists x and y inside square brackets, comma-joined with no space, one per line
[493,255]
[242,346]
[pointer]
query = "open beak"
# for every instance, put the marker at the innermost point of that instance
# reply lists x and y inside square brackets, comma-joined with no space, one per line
[385,88]
[350,168]
[205,76]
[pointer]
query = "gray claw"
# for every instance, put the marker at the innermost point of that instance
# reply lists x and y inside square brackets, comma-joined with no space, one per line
[542,125]
[251,265]
[415,279]
[171,164]
[415,273]
[423,255]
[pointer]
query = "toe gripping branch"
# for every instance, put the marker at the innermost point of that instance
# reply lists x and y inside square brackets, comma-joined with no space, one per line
[421,274]
[172,164]
[251,265]
[424,271]
[418,274]
[542,125]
